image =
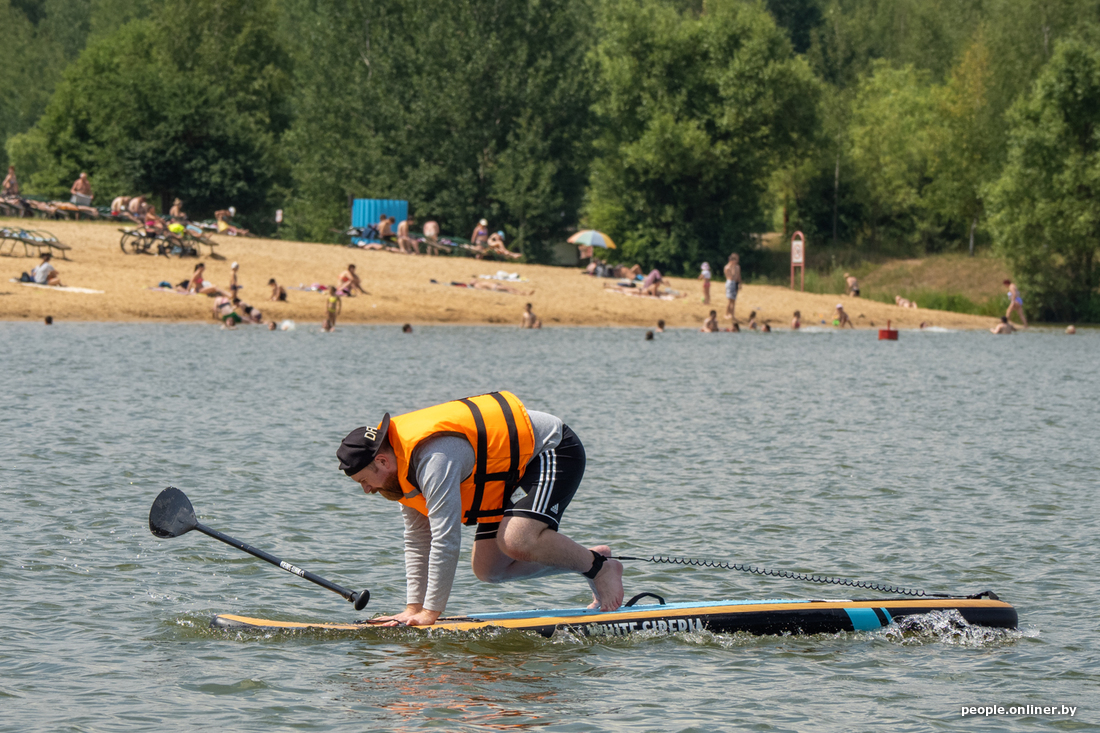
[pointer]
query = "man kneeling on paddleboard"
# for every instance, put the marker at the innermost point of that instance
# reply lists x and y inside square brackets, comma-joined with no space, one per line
[467,462]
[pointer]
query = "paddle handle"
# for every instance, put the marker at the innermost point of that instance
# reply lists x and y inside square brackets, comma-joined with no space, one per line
[359,599]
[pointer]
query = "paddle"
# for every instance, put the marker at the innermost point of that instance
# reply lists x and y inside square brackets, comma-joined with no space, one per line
[172,515]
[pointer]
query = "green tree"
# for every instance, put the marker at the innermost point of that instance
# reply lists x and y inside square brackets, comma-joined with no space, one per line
[481,111]
[890,143]
[696,108]
[967,142]
[189,103]
[1045,207]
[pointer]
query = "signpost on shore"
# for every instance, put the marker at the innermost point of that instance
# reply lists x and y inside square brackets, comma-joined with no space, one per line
[798,258]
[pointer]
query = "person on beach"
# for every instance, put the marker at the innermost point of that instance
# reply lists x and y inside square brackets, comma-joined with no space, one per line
[222,216]
[136,208]
[278,292]
[10,186]
[234,286]
[81,187]
[853,285]
[405,241]
[199,283]
[704,275]
[431,231]
[176,212]
[480,236]
[349,281]
[752,321]
[333,306]
[530,320]
[225,310]
[460,463]
[496,245]
[796,322]
[842,318]
[652,283]
[904,302]
[1003,327]
[496,287]
[45,273]
[710,325]
[249,313]
[732,271]
[119,204]
[1015,302]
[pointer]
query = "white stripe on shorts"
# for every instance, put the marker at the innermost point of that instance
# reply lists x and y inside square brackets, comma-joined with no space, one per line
[546,482]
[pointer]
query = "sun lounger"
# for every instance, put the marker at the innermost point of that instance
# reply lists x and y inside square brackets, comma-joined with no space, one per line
[38,240]
[15,206]
[140,240]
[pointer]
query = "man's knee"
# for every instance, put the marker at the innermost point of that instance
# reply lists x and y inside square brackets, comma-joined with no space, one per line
[518,542]
[488,575]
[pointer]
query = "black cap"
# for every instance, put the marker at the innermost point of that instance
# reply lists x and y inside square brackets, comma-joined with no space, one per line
[361,445]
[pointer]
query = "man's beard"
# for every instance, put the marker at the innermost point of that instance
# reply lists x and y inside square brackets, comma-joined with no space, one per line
[391,489]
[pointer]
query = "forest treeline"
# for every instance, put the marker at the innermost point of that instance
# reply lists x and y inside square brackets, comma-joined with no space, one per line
[683,128]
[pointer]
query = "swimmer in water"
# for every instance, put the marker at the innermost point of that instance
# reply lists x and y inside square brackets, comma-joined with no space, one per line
[1003,327]
[530,320]
[710,325]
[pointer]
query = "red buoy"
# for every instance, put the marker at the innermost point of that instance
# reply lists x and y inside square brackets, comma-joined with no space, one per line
[887,334]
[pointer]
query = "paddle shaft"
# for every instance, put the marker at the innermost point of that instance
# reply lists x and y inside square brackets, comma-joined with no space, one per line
[347,594]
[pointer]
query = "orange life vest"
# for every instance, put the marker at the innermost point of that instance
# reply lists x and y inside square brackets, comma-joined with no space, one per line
[499,431]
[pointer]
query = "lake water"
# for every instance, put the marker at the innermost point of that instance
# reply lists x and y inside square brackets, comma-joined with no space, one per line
[952,462]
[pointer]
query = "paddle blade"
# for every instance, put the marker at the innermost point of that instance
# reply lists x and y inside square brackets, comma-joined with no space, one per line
[171,514]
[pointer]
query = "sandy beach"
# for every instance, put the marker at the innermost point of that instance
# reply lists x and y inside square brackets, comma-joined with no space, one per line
[400,286]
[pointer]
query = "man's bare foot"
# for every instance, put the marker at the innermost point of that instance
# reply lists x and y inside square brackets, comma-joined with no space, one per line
[607,586]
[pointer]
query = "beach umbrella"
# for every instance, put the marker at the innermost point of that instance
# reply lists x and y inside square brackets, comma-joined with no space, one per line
[592,238]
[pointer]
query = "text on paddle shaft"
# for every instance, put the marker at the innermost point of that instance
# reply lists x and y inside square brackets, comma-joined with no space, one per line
[291,569]
[660,625]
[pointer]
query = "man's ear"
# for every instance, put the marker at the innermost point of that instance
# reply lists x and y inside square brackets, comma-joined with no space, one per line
[386,458]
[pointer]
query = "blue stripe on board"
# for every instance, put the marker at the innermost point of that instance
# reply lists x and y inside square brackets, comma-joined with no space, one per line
[863,619]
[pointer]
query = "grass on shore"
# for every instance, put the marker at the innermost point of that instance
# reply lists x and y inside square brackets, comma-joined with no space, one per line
[949,282]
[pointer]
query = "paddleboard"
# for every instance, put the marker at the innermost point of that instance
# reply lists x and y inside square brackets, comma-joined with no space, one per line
[761,617]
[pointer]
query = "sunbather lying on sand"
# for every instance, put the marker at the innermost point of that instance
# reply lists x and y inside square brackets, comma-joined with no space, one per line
[496,246]
[903,302]
[224,227]
[497,287]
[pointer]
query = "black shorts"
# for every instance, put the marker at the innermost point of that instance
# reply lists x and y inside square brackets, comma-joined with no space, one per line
[547,486]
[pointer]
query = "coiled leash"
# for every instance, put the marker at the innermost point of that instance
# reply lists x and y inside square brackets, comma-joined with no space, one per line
[786,574]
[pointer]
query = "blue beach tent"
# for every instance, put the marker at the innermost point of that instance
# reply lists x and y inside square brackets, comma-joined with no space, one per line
[367,212]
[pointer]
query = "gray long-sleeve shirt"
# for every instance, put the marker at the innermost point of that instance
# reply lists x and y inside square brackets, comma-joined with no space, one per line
[432,543]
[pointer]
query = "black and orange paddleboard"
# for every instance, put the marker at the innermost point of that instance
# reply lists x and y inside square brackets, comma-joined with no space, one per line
[755,617]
